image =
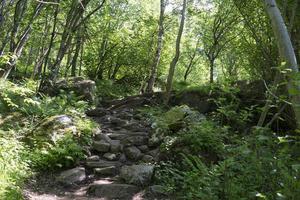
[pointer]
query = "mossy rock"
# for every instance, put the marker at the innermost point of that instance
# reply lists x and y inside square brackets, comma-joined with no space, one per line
[51,130]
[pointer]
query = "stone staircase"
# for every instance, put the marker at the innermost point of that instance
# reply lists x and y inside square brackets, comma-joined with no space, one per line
[121,161]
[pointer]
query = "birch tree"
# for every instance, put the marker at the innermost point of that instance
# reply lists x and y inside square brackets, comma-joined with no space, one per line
[287,53]
[177,54]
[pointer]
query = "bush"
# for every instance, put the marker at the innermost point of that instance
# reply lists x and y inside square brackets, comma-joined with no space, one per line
[254,167]
[14,165]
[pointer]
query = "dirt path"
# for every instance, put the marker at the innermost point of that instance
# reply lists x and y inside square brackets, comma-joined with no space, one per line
[120,165]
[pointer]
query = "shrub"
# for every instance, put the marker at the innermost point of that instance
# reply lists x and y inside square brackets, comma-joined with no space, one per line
[13,165]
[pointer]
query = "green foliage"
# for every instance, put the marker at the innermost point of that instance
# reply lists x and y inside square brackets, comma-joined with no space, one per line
[21,115]
[108,89]
[204,137]
[64,153]
[14,165]
[257,166]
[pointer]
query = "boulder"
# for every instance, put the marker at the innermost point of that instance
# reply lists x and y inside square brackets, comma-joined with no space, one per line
[101,146]
[143,148]
[113,191]
[147,158]
[115,146]
[51,130]
[135,140]
[102,163]
[93,158]
[106,171]
[72,176]
[139,175]
[84,89]
[133,153]
[110,156]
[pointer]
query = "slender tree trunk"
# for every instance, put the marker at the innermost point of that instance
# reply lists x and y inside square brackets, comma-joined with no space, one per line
[156,61]
[17,47]
[211,70]
[189,67]
[46,60]
[286,52]
[177,54]
[76,54]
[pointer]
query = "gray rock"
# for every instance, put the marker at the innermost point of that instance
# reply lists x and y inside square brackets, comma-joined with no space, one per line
[106,171]
[139,175]
[101,146]
[72,176]
[113,191]
[147,158]
[115,146]
[93,158]
[98,112]
[135,140]
[110,156]
[143,148]
[116,136]
[154,152]
[133,153]
[117,121]
[156,191]
[123,158]
[102,163]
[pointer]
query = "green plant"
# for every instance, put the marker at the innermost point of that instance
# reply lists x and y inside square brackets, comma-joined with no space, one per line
[14,165]
[64,153]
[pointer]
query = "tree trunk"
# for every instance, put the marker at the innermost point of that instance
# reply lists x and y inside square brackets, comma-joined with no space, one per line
[211,71]
[76,54]
[286,52]
[155,64]
[177,54]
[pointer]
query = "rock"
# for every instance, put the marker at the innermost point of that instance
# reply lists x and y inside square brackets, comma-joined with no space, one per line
[123,158]
[154,152]
[147,158]
[72,176]
[116,136]
[143,148]
[132,153]
[139,175]
[102,164]
[125,115]
[115,146]
[110,156]
[117,121]
[84,89]
[157,191]
[113,191]
[51,130]
[101,146]
[98,112]
[93,158]
[133,126]
[106,171]
[135,140]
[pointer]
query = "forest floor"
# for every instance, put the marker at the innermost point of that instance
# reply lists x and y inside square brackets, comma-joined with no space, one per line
[127,133]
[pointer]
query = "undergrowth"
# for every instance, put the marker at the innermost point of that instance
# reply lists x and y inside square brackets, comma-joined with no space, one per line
[23,151]
[223,156]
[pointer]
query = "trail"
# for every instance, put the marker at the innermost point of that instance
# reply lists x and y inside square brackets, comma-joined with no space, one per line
[121,144]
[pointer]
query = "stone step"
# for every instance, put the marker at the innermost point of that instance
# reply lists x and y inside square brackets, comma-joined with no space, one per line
[113,191]
[106,171]
[102,164]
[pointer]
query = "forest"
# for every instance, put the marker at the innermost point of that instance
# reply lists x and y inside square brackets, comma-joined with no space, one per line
[149,99]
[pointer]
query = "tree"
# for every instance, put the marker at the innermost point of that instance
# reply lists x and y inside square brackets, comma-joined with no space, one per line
[286,52]
[155,63]
[177,54]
